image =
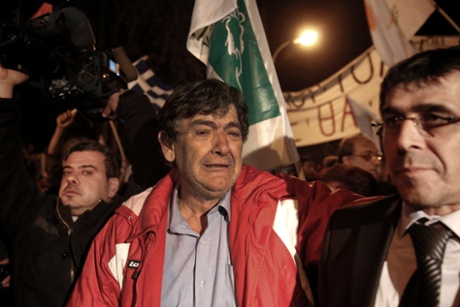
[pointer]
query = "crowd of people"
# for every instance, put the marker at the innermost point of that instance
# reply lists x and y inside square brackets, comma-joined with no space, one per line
[357,166]
[49,232]
[169,215]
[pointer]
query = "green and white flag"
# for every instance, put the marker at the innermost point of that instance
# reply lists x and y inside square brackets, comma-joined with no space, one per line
[228,36]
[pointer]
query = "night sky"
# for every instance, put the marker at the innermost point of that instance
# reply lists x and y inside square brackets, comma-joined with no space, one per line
[159,28]
[344,36]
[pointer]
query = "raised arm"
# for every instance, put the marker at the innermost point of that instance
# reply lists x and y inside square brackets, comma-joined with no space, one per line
[17,192]
[63,121]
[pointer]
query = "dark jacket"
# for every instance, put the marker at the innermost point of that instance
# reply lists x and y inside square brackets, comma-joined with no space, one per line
[48,248]
[354,249]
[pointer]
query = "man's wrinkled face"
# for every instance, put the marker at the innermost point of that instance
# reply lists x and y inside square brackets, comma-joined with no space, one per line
[422,159]
[207,154]
[84,182]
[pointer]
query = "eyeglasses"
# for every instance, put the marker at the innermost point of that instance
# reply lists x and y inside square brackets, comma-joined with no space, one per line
[425,124]
[369,157]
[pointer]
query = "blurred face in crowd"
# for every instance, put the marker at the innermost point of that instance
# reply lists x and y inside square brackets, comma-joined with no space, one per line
[421,139]
[84,182]
[309,169]
[207,153]
[365,156]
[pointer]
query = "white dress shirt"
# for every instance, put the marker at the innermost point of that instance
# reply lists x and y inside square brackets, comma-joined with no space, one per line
[401,263]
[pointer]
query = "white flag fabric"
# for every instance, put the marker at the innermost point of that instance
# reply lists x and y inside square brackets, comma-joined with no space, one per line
[364,116]
[229,38]
[410,15]
[391,45]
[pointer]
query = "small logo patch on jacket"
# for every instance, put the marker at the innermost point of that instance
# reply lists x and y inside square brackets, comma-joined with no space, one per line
[133,264]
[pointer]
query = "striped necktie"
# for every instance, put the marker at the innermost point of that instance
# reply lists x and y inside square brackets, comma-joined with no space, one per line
[424,287]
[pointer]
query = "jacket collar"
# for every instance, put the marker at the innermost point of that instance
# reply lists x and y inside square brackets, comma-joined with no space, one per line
[154,208]
[250,181]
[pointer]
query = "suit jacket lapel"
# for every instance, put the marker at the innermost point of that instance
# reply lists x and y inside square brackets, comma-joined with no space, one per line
[372,243]
[355,248]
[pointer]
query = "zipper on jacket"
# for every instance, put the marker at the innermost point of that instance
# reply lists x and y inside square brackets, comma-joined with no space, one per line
[135,276]
[145,253]
[69,232]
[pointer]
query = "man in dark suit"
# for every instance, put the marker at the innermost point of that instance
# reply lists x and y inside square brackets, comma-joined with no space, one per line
[372,254]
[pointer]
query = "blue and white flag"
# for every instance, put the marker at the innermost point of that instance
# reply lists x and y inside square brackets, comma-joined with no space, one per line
[149,84]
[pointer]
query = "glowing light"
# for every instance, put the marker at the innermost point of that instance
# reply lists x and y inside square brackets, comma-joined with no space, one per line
[307,38]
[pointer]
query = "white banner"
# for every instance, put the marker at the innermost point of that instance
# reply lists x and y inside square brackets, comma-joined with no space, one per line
[348,101]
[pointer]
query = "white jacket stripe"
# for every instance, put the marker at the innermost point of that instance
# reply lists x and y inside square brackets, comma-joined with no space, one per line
[286,223]
[118,262]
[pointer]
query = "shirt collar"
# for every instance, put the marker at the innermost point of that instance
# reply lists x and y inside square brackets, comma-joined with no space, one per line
[223,206]
[410,215]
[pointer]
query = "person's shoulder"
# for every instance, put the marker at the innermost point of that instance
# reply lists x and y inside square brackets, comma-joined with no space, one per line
[369,209]
[45,204]
[9,104]
[256,178]
[154,197]
[135,203]
[369,203]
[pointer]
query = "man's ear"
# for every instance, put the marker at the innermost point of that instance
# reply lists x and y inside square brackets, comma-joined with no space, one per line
[114,185]
[166,147]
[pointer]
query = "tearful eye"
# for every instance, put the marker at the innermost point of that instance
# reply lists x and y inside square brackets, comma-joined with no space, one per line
[235,134]
[202,132]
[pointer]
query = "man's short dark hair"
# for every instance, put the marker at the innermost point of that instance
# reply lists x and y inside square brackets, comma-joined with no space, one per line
[111,161]
[423,68]
[208,96]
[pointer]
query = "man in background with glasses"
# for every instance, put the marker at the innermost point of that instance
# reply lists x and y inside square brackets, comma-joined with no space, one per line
[405,250]
[360,151]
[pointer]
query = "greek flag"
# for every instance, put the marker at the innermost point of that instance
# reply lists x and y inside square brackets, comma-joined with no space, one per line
[149,84]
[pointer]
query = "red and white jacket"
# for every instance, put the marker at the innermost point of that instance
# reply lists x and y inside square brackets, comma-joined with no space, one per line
[276,229]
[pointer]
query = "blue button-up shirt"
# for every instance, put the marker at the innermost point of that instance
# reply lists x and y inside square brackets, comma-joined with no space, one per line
[197,269]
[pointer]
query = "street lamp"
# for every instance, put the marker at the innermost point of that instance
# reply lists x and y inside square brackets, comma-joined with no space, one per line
[307,38]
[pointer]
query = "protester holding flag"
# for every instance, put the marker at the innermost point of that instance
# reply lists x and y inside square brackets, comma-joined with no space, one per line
[214,232]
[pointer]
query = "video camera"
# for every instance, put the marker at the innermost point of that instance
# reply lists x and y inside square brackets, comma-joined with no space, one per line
[59,51]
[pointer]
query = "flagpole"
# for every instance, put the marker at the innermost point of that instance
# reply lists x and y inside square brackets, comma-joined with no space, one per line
[447,17]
